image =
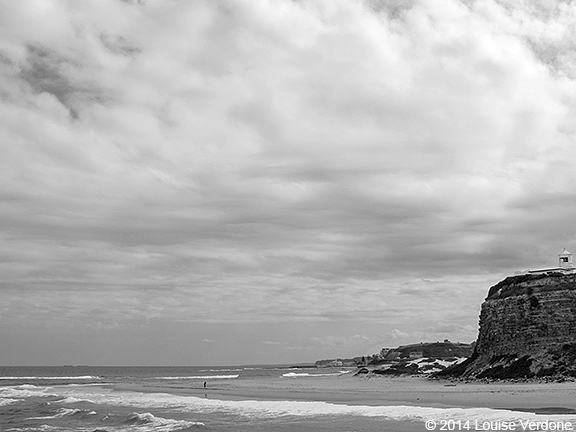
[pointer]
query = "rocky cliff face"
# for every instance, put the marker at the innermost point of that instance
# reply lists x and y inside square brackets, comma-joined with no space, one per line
[527,329]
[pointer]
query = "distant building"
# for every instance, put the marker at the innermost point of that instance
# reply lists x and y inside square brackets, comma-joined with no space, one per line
[415,354]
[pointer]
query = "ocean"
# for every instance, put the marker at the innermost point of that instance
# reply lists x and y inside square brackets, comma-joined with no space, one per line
[166,399]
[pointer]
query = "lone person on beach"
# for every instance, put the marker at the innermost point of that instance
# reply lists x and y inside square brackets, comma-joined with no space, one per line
[204,384]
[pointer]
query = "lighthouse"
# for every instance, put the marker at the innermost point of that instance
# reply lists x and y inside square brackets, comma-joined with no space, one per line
[565,260]
[565,265]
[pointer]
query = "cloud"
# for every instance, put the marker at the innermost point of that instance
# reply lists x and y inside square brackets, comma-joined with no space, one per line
[261,161]
[341,342]
[399,334]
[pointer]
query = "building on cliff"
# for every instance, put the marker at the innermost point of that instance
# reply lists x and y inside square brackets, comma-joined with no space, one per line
[565,265]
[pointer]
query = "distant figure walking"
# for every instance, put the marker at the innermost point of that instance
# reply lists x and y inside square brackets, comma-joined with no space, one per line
[204,384]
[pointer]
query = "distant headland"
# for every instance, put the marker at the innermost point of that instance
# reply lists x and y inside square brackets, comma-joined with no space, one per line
[424,357]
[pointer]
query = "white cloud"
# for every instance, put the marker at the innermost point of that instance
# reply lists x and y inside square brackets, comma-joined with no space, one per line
[339,342]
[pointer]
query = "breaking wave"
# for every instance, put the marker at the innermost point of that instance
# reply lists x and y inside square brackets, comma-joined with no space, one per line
[63,412]
[7,401]
[305,374]
[198,377]
[32,378]
[158,423]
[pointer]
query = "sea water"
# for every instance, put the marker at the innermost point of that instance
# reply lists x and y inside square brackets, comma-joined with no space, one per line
[64,399]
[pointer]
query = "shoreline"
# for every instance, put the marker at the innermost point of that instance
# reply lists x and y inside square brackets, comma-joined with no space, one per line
[540,398]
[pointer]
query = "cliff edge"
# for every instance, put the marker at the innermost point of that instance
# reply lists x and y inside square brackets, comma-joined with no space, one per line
[527,329]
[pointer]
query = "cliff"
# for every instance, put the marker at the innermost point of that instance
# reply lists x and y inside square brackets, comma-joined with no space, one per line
[527,329]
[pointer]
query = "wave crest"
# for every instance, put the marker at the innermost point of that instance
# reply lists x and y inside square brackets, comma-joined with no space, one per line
[159,423]
[305,374]
[64,412]
[199,377]
[50,378]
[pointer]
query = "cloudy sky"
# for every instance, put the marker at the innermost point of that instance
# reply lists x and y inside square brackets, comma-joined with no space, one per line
[274,181]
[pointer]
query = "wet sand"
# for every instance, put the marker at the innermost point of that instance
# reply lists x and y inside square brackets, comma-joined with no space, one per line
[545,398]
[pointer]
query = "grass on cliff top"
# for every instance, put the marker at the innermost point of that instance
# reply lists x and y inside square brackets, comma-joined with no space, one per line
[512,281]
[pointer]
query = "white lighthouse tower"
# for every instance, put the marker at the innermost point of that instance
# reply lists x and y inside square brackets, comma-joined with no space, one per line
[565,260]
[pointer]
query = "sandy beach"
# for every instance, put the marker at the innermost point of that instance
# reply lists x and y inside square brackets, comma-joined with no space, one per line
[543,398]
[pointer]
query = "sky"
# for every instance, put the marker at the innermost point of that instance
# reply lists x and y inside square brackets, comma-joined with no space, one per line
[196,182]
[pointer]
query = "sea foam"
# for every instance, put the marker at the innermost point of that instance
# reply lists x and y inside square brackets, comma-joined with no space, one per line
[24,391]
[7,401]
[69,400]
